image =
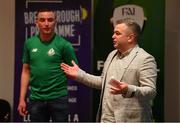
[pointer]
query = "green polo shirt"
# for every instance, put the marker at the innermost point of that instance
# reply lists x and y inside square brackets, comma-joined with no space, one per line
[47,80]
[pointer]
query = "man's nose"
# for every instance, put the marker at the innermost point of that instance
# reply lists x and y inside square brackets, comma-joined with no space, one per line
[113,36]
[46,22]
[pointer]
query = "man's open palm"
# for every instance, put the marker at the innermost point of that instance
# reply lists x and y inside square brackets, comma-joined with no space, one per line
[70,71]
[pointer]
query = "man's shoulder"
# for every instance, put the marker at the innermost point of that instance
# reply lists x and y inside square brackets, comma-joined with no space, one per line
[61,39]
[144,54]
[143,51]
[31,40]
[35,37]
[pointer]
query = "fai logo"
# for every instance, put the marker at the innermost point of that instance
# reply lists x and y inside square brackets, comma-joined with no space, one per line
[129,11]
[51,52]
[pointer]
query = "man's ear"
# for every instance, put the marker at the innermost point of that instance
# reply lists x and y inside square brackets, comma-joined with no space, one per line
[131,37]
[55,22]
[36,22]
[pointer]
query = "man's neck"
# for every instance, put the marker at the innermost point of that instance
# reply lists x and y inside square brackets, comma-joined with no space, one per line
[126,49]
[46,37]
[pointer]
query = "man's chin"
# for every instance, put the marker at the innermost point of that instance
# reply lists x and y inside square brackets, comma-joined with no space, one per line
[47,32]
[115,46]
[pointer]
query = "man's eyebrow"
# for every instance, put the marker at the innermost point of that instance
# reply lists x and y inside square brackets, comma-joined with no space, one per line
[116,31]
[46,18]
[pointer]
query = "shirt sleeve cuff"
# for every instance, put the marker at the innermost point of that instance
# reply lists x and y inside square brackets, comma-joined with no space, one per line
[131,91]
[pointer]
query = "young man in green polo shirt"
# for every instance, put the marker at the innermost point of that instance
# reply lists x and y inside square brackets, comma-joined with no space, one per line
[42,56]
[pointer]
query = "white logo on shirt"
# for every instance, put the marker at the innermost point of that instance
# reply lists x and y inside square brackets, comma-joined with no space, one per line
[34,50]
[51,52]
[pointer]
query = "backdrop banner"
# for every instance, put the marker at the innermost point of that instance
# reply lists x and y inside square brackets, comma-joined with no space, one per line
[74,22]
[150,15]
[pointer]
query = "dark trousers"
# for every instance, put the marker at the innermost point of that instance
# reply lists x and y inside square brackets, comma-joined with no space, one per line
[43,111]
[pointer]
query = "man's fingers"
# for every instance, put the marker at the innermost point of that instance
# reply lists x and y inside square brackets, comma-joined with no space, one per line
[74,64]
[23,111]
[64,66]
[113,88]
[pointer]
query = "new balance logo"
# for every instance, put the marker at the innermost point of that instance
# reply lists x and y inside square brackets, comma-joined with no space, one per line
[34,50]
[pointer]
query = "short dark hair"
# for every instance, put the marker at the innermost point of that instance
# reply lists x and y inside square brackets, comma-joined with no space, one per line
[135,27]
[44,10]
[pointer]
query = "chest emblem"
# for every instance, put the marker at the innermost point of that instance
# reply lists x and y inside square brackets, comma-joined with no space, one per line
[34,50]
[51,52]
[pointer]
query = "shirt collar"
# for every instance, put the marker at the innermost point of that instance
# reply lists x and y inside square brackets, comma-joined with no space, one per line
[126,53]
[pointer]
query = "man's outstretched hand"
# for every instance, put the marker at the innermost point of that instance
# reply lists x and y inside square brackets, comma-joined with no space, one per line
[70,71]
